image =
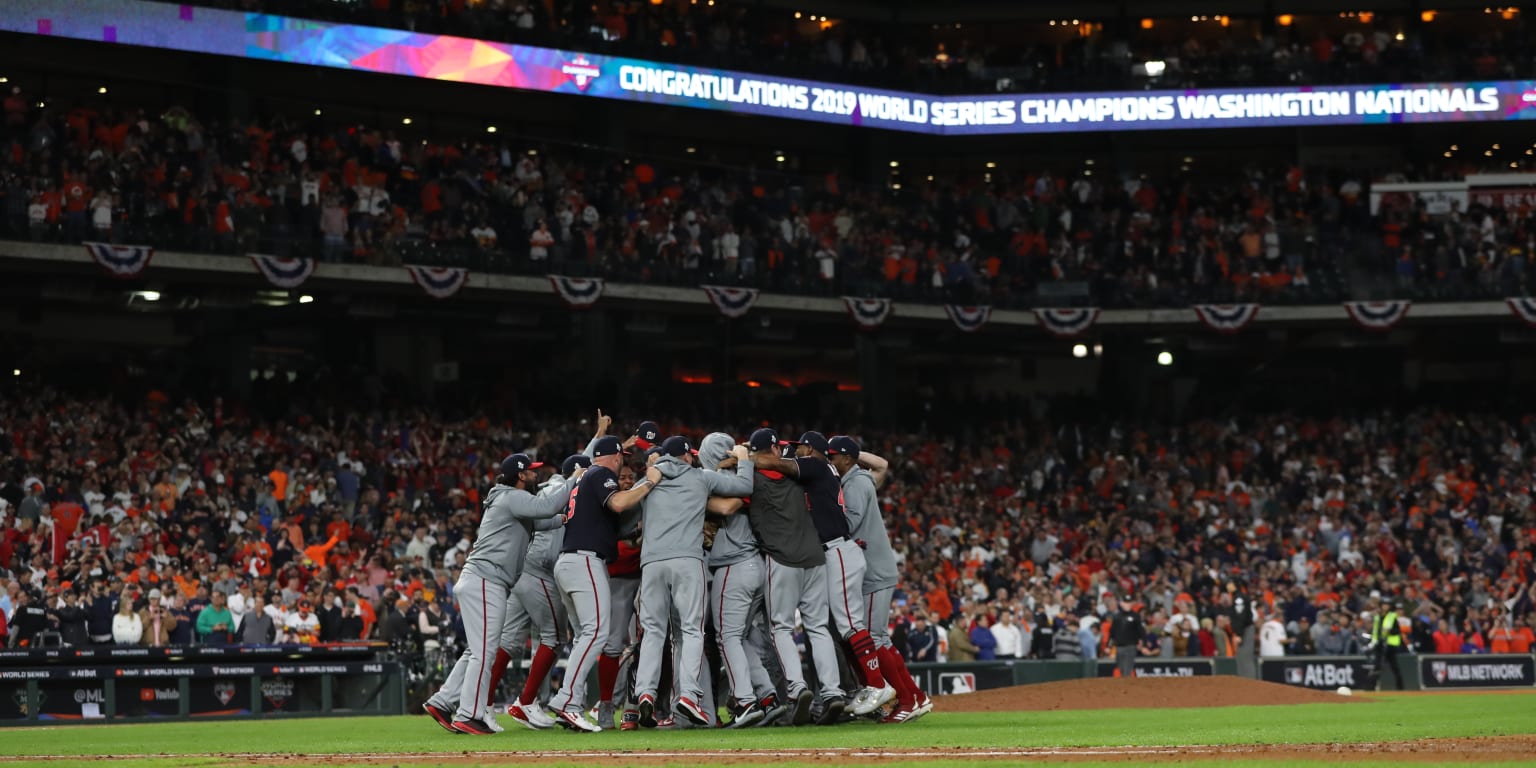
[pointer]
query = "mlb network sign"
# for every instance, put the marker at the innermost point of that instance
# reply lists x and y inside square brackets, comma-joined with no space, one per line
[1477,671]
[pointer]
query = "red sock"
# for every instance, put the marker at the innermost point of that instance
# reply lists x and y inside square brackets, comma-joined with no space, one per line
[607,676]
[498,669]
[868,660]
[543,662]
[895,671]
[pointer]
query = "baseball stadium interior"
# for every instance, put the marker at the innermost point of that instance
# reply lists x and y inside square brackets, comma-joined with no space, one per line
[335,335]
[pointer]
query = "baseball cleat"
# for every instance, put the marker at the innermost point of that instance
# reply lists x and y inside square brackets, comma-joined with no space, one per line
[667,724]
[773,711]
[647,711]
[442,716]
[473,727]
[531,716]
[691,710]
[886,696]
[900,714]
[803,701]
[867,701]
[831,711]
[750,715]
[630,721]
[924,706]
[575,722]
[602,714]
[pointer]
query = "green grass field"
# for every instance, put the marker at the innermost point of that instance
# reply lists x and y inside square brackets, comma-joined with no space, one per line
[392,741]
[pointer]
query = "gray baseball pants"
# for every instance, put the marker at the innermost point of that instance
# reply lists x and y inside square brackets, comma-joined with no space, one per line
[735,596]
[678,584]
[785,590]
[583,581]
[481,604]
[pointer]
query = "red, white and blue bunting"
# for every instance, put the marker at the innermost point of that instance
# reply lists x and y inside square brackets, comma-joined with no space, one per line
[438,282]
[282,272]
[577,292]
[732,302]
[1377,315]
[868,313]
[121,260]
[1524,308]
[968,319]
[1066,323]
[1226,318]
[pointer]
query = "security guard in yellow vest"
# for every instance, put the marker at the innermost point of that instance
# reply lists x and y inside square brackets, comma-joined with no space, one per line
[1387,640]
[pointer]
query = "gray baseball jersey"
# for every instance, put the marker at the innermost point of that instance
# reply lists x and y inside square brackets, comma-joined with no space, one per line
[506,529]
[734,542]
[866,525]
[674,510]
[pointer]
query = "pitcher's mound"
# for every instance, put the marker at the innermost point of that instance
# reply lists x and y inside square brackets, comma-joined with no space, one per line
[1138,693]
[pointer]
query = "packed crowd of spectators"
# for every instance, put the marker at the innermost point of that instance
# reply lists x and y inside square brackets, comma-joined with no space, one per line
[1010,237]
[973,57]
[161,522]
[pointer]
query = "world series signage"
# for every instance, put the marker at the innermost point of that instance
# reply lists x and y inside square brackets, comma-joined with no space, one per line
[1477,671]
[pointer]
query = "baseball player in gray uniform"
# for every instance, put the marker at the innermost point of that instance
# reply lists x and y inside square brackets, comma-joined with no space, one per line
[623,588]
[535,603]
[591,541]
[844,574]
[862,473]
[672,574]
[495,563]
[736,592]
[795,578]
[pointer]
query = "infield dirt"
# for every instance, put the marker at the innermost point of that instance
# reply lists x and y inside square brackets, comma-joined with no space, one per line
[1138,693]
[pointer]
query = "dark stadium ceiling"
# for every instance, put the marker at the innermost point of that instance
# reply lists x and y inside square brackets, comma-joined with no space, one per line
[930,11]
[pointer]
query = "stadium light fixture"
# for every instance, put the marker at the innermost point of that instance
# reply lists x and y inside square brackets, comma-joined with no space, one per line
[1146,23]
[306,299]
[406,121]
[1165,358]
[1427,16]
[991,164]
[691,150]
[490,129]
[1399,37]
[16,372]
[1098,350]
[778,158]
[1155,68]
[1285,19]
[317,113]
[1080,351]
[895,164]
[4,80]
[102,90]
[147,295]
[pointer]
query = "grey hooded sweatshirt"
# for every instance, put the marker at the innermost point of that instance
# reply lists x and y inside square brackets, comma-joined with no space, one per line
[506,528]
[674,509]
[734,542]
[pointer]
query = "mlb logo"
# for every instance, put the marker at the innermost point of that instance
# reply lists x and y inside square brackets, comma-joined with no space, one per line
[1295,676]
[1437,668]
[957,682]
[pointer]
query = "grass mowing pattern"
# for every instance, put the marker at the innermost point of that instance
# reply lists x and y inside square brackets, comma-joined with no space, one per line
[1385,719]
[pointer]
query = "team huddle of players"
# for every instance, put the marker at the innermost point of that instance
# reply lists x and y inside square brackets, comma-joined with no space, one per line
[749,536]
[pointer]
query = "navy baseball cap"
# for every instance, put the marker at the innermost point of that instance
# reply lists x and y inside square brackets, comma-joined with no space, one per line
[676,445]
[649,434]
[843,445]
[568,467]
[762,440]
[608,445]
[518,462]
[816,440]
